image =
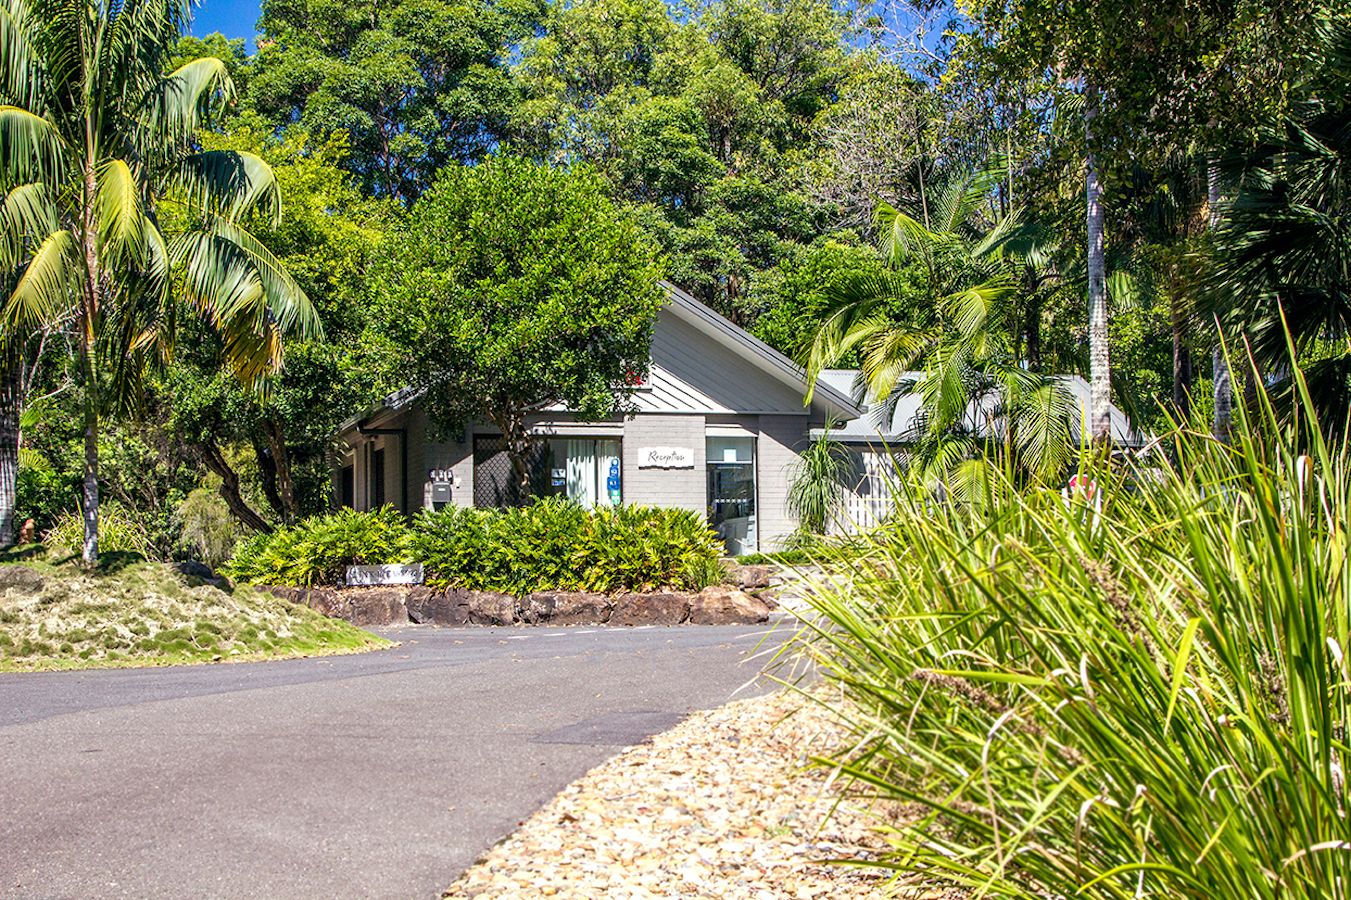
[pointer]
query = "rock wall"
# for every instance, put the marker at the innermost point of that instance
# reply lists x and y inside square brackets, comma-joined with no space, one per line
[377,606]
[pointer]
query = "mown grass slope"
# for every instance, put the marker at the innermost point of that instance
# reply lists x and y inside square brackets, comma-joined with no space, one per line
[135,613]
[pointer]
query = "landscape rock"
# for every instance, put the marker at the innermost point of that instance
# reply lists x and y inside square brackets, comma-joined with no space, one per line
[199,573]
[650,609]
[21,579]
[328,601]
[722,605]
[750,578]
[449,607]
[376,606]
[565,608]
[491,608]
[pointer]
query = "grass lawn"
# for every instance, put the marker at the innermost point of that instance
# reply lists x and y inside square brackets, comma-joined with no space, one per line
[135,613]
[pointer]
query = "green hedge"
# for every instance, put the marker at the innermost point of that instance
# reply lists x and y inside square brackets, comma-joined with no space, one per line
[549,545]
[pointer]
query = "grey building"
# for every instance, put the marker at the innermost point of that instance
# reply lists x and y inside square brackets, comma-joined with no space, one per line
[718,427]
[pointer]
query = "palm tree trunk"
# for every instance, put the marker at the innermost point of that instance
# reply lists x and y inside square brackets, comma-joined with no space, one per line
[1219,366]
[1100,366]
[93,285]
[11,390]
[91,482]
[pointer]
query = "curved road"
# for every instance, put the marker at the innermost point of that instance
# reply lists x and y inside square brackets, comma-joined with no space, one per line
[377,775]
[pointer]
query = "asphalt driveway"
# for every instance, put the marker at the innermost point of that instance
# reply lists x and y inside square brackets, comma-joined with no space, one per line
[378,775]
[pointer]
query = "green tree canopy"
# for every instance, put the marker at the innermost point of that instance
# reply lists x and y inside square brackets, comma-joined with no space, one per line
[415,83]
[516,287]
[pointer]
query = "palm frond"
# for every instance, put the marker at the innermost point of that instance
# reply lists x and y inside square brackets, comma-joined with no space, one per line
[229,183]
[45,288]
[970,309]
[30,147]
[903,236]
[21,73]
[26,216]
[175,106]
[121,216]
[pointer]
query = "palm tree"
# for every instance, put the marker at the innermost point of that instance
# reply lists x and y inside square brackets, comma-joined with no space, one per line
[1100,366]
[1282,255]
[971,387]
[112,214]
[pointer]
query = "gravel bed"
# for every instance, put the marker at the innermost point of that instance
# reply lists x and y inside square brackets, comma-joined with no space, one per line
[723,805]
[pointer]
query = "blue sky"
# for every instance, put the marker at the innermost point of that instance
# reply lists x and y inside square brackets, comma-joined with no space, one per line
[232,18]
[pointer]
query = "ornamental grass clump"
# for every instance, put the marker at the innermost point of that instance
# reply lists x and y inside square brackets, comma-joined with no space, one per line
[1138,689]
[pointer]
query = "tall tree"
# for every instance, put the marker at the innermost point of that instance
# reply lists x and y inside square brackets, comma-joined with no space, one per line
[415,83]
[99,144]
[1153,76]
[516,287]
[973,391]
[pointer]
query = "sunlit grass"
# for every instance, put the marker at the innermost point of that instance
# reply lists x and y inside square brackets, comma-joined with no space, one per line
[58,616]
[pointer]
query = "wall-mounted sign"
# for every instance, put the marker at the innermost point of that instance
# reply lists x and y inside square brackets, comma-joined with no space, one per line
[665,458]
[376,575]
[446,475]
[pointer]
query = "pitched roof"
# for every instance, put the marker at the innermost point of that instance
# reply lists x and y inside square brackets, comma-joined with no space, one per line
[873,426]
[827,398]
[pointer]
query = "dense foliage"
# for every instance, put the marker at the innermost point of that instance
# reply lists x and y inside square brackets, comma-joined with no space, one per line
[549,545]
[767,149]
[517,287]
[1135,689]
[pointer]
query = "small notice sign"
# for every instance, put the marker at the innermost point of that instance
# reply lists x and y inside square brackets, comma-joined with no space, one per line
[665,458]
[375,575]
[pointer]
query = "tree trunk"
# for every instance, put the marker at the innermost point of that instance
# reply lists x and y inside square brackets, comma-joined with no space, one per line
[87,318]
[1100,366]
[11,391]
[1219,366]
[215,461]
[90,506]
[518,444]
[281,461]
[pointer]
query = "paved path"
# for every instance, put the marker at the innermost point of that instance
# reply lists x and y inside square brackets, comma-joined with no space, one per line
[378,775]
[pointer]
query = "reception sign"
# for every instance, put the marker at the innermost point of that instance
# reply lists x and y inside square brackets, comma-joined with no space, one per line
[666,457]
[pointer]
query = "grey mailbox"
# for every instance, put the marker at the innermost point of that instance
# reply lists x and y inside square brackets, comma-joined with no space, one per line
[441,491]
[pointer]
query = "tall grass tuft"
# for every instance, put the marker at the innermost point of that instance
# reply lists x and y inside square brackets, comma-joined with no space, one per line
[1139,693]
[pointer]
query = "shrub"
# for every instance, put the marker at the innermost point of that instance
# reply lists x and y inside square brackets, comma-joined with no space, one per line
[319,549]
[549,545]
[556,545]
[1143,693]
[119,532]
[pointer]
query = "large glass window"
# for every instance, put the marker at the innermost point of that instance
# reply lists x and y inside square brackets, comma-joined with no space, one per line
[731,492]
[585,470]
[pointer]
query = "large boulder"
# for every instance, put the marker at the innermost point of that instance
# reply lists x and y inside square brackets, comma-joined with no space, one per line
[565,608]
[431,607]
[377,606]
[722,605]
[21,579]
[650,609]
[491,608]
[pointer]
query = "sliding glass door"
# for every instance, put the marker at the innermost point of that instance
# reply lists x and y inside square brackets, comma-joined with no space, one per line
[731,492]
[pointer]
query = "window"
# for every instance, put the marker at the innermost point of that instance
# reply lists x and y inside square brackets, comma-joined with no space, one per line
[585,470]
[377,479]
[347,487]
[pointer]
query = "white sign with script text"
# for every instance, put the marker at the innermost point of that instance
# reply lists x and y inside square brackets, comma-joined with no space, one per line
[665,458]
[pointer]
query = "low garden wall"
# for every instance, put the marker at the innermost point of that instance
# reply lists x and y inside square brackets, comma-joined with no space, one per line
[401,605]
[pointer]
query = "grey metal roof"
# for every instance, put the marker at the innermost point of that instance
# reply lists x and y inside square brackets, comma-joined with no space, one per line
[872,426]
[839,403]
